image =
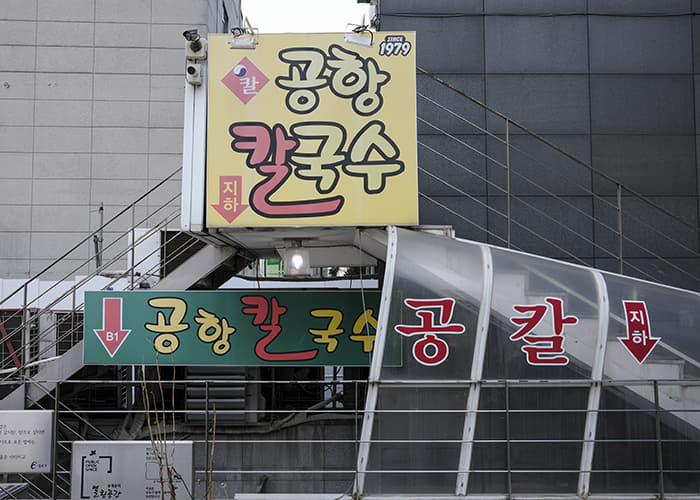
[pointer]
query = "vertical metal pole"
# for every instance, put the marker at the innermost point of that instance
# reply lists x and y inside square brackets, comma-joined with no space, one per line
[470,418]
[98,239]
[206,434]
[508,458]
[508,183]
[357,416]
[54,439]
[133,386]
[73,339]
[164,253]
[133,244]
[659,458]
[377,358]
[619,226]
[594,393]
[26,332]
[101,236]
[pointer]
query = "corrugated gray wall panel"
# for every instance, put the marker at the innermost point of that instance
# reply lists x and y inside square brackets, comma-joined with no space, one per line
[434,97]
[647,232]
[639,6]
[456,161]
[537,169]
[471,223]
[642,104]
[534,6]
[697,163]
[641,44]
[547,104]
[678,273]
[520,44]
[545,226]
[389,7]
[660,165]
[444,44]
[696,43]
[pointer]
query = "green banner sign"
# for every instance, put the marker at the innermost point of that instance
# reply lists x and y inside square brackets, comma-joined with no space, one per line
[241,328]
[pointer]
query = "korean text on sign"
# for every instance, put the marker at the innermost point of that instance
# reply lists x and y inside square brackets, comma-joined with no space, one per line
[430,349]
[311,130]
[542,349]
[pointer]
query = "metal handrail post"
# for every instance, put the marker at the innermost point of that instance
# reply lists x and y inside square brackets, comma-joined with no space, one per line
[507,184]
[619,226]
[206,430]
[509,478]
[23,340]
[54,440]
[164,251]
[133,244]
[659,457]
[73,334]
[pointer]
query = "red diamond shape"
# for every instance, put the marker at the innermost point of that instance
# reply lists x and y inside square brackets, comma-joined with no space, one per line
[245,80]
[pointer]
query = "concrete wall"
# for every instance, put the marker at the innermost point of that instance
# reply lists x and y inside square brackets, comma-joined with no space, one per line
[91,112]
[613,82]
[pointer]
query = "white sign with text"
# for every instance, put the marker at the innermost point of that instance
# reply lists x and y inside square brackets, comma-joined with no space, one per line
[129,470]
[25,441]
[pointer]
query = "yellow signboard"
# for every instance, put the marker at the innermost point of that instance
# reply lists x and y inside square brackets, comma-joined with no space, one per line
[310,130]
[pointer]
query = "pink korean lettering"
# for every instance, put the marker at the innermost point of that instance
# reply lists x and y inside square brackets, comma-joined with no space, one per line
[639,341]
[431,350]
[542,349]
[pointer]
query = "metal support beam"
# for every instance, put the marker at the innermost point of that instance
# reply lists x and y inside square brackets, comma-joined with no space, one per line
[194,155]
[377,358]
[482,328]
[584,478]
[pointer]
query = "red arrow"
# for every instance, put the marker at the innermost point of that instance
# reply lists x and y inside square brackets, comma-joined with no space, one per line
[112,336]
[639,341]
[230,197]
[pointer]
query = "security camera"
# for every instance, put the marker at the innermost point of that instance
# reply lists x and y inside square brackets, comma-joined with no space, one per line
[193,73]
[193,38]
[191,35]
[195,46]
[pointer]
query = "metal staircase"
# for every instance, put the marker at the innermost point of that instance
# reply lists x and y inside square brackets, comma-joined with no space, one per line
[38,356]
[497,193]
[501,181]
[506,195]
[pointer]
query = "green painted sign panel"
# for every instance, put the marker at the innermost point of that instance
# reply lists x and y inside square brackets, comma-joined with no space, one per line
[235,328]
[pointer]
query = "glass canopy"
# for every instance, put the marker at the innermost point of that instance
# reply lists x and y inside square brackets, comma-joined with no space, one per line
[524,375]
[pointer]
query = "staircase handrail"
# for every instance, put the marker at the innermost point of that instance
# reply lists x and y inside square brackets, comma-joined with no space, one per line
[526,179]
[36,359]
[539,211]
[558,149]
[90,236]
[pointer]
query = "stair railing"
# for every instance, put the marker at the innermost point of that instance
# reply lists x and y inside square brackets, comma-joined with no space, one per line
[598,222]
[34,308]
[606,237]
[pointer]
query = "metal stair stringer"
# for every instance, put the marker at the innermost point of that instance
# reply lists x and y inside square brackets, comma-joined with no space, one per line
[59,368]
[205,262]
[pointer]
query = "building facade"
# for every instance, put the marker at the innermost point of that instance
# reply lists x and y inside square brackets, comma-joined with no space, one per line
[92,100]
[612,83]
[566,129]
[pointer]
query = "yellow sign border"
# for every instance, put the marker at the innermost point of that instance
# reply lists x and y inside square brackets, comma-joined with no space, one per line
[374,178]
